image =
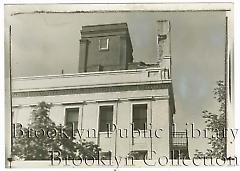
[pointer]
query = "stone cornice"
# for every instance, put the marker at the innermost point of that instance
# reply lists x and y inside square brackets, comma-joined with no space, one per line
[99,101]
[86,74]
[90,90]
[104,34]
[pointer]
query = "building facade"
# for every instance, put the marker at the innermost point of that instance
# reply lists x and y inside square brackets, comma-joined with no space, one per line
[105,47]
[126,106]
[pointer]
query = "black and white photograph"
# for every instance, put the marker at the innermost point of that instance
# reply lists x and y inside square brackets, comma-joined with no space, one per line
[119,85]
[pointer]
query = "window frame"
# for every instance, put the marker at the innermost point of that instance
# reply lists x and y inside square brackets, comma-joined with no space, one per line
[139,151]
[106,155]
[103,48]
[79,115]
[99,119]
[148,113]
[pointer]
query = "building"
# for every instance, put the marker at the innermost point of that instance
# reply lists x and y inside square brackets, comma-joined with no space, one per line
[105,47]
[111,89]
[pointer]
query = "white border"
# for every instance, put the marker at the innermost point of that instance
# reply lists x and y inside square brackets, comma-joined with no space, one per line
[236,63]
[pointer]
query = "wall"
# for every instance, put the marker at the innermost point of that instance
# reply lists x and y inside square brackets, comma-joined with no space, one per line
[104,57]
[93,79]
[158,114]
[116,57]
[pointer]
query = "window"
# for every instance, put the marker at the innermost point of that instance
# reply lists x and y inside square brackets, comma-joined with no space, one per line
[139,116]
[105,155]
[103,44]
[105,118]
[138,155]
[72,117]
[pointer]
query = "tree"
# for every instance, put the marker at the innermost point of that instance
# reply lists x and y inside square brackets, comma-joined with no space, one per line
[217,123]
[37,148]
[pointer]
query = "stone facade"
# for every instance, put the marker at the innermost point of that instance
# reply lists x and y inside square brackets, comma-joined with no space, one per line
[122,90]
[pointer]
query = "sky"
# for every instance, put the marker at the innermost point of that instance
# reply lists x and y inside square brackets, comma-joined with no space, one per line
[44,44]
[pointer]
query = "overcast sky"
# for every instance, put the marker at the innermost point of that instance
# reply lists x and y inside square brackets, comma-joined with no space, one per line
[44,44]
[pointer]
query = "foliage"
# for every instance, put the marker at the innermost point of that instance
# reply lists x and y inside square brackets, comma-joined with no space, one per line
[217,123]
[37,148]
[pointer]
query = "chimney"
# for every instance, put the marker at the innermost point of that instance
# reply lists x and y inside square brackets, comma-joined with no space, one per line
[163,41]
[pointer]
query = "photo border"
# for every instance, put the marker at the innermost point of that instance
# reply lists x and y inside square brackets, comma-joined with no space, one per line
[133,7]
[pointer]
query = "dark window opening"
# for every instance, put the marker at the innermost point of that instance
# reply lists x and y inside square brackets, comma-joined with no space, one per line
[138,155]
[105,118]
[72,117]
[139,116]
[106,155]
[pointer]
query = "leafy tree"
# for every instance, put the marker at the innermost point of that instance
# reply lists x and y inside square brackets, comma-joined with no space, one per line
[37,148]
[216,123]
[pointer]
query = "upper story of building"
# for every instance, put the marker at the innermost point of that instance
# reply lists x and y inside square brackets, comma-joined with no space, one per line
[108,47]
[91,80]
[105,47]
[139,85]
[105,61]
